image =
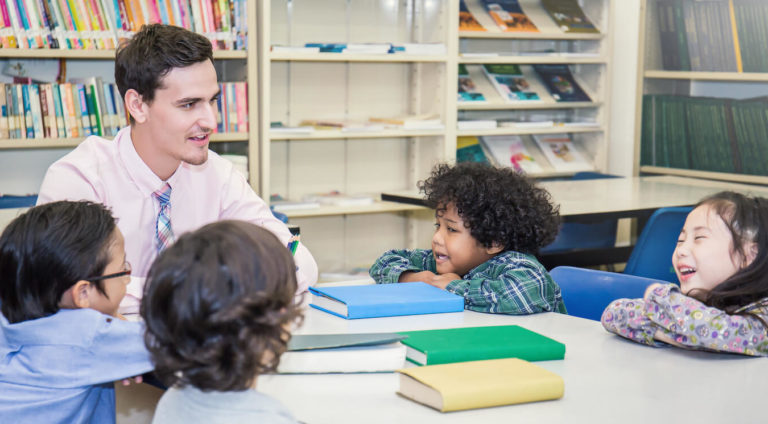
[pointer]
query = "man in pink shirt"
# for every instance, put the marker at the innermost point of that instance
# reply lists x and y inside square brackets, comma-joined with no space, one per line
[158,176]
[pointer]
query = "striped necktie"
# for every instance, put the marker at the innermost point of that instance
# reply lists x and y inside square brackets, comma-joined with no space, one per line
[163,232]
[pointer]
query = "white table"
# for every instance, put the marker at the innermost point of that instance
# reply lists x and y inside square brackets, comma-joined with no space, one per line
[619,197]
[607,379]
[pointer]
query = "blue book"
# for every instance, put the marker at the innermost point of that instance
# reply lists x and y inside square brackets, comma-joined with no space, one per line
[385,300]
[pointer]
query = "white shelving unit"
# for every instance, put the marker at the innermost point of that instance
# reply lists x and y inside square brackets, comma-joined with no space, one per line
[587,54]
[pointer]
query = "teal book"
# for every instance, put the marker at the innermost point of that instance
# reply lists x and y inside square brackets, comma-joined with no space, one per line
[384,300]
[343,353]
[328,341]
[431,347]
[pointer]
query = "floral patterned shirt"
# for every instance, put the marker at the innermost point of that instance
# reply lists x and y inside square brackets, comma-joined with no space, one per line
[689,322]
[509,283]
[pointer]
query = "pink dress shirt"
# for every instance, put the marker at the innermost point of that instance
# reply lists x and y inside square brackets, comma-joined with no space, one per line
[112,173]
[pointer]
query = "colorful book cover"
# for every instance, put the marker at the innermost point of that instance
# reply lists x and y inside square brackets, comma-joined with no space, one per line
[431,347]
[467,21]
[509,81]
[384,300]
[468,149]
[479,384]
[510,150]
[560,83]
[467,88]
[568,15]
[561,153]
[29,125]
[4,132]
[509,16]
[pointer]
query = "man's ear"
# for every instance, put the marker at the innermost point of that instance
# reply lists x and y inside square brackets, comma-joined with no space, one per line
[494,249]
[135,105]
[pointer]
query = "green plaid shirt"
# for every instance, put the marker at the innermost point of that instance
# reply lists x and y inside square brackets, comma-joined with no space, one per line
[509,283]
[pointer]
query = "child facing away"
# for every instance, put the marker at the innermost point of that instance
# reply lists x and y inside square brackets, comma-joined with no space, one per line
[217,306]
[490,223]
[62,276]
[721,260]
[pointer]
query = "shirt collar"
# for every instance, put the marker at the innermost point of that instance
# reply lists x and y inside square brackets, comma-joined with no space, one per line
[139,172]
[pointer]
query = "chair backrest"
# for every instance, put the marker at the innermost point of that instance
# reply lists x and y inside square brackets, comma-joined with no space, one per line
[575,235]
[652,255]
[587,292]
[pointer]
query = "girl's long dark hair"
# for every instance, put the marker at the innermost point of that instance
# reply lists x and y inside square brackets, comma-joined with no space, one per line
[747,220]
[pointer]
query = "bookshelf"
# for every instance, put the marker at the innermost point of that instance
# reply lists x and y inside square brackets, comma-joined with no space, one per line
[231,65]
[691,59]
[298,85]
[588,56]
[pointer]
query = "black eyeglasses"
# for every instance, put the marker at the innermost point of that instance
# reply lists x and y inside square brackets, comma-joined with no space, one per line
[127,271]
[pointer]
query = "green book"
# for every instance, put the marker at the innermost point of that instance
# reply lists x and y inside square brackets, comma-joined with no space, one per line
[431,347]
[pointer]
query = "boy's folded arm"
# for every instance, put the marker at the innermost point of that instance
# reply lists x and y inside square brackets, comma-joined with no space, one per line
[626,318]
[517,291]
[690,323]
[391,264]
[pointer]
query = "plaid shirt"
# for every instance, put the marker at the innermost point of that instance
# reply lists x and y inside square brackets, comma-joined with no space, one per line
[509,283]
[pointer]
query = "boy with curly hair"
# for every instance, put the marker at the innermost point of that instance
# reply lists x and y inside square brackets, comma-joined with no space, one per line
[490,223]
[217,307]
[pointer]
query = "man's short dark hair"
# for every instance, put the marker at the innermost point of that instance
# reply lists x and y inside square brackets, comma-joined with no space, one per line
[46,251]
[143,61]
[217,304]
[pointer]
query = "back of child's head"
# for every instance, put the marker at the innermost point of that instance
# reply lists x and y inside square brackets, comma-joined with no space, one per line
[499,205]
[747,220]
[217,304]
[48,249]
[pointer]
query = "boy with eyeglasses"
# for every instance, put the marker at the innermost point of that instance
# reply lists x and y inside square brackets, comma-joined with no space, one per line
[63,274]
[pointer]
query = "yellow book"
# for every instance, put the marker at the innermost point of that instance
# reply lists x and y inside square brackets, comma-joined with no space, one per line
[479,384]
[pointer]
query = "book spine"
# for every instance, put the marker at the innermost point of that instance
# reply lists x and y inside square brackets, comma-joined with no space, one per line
[37,113]
[44,112]
[29,124]
[232,108]
[58,111]
[4,132]
[242,106]
[220,110]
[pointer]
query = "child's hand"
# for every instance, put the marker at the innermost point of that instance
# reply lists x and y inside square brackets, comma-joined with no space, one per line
[650,289]
[442,281]
[127,381]
[412,277]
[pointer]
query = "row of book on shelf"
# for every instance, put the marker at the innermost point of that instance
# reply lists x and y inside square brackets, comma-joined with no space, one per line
[514,87]
[90,106]
[421,49]
[509,16]
[720,36]
[100,24]
[706,134]
[547,151]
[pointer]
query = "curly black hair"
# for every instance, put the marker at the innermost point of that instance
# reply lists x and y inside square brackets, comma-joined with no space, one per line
[498,205]
[217,305]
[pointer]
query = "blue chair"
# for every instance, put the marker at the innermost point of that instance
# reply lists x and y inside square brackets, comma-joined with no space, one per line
[576,235]
[652,255]
[587,292]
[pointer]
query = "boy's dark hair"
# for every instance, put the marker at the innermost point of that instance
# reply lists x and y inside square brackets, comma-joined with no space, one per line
[143,61]
[747,220]
[48,249]
[216,306]
[498,205]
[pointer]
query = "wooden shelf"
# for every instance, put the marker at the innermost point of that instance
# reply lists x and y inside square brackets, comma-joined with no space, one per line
[68,143]
[529,35]
[95,54]
[741,178]
[376,207]
[532,59]
[348,57]
[710,76]
[511,131]
[332,134]
[525,105]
